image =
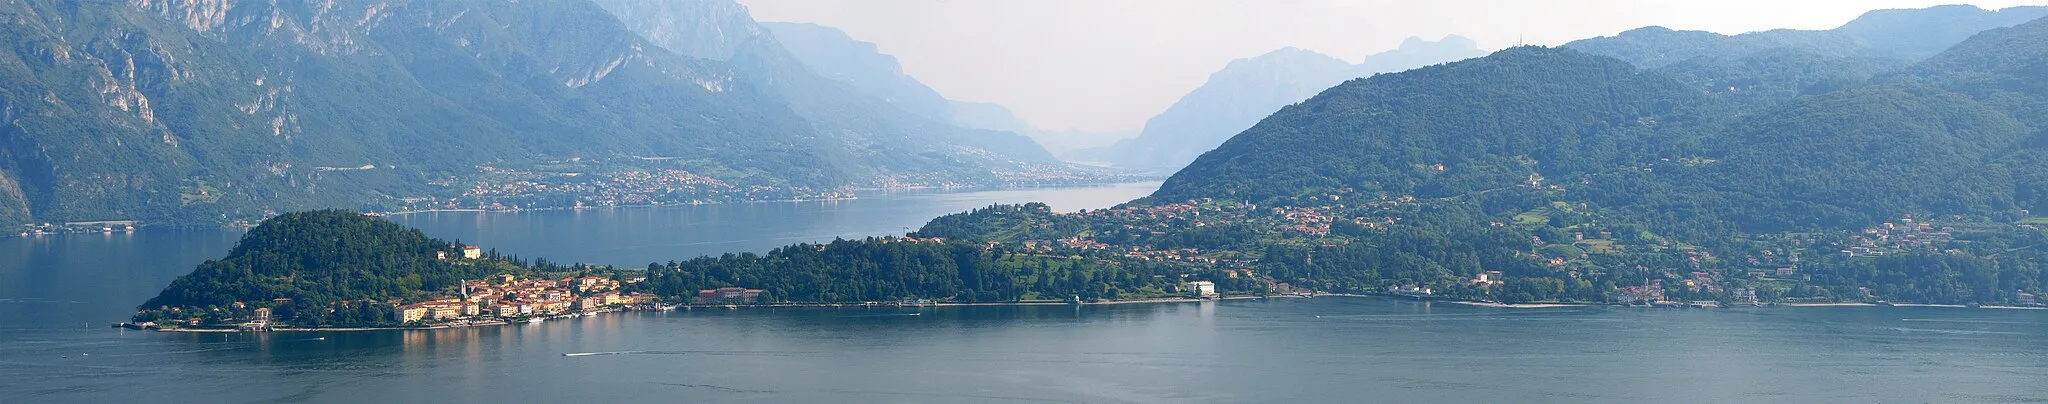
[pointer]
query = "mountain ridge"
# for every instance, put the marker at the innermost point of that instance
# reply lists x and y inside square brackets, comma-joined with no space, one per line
[1245,90]
[185,112]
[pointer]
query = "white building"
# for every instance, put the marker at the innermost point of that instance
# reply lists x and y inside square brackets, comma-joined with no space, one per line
[1204,289]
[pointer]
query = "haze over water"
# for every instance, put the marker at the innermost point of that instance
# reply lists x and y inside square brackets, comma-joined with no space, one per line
[58,293]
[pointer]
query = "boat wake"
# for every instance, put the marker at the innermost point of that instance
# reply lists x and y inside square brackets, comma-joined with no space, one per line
[599,353]
[1943,320]
[883,315]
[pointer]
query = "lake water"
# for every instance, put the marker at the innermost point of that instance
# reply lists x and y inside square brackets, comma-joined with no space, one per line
[58,293]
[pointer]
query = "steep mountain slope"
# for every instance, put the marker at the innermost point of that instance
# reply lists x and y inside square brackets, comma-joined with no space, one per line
[1859,156]
[2003,67]
[861,67]
[1960,133]
[1762,79]
[831,53]
[1249,89]
[187,110]
[1446,130]
[197,112]
[909,146]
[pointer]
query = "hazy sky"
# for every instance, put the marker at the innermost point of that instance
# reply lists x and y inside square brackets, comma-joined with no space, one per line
[1111,64]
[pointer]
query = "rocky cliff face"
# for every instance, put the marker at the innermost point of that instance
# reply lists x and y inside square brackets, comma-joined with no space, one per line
[712,30]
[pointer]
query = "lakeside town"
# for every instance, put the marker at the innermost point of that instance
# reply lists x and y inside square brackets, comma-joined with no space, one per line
[651,181]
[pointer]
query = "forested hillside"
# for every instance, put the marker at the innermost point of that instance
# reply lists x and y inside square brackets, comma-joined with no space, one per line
[1451,129]
[1858,167]
[322,259]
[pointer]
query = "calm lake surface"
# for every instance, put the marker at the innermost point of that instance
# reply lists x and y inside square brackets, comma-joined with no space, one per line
[58,293]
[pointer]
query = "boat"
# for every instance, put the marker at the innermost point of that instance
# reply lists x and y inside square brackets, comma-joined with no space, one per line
[535,320]
[1882,303]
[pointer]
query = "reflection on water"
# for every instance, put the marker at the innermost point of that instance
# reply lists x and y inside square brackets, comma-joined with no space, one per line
[1316,350]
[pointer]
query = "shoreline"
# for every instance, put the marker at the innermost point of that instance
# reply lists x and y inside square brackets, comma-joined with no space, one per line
[878,190]
[1475,303]
[496,323]
[942,189]
[1169,300]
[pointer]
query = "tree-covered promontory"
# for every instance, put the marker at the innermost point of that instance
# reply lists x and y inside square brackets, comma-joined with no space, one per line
[303,264]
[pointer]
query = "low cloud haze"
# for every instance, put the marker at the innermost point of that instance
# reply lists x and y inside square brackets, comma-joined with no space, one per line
[1109,65]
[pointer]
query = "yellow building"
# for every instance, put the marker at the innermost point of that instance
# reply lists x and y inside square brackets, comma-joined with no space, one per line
[472,252]
[445,311]
[411,312]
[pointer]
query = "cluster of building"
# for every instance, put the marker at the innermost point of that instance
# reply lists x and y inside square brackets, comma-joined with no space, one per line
[107,226]
[468,252]
[1645,294]
[1307,220]
[1411,290]
[1702,282]
[727,296]
[1048,174]
[507,295]
[1142,253]
[1900,236]
[1193,255]
[912,240]
[1314,221]
[1488,278]
[497,188]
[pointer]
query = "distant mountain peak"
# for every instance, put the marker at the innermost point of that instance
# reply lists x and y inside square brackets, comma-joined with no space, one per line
[1289,55]
[717,28]
[1246,90]
[1453,40]
[1903,34]
[1648,30]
